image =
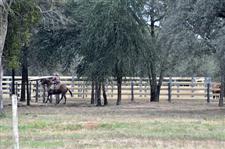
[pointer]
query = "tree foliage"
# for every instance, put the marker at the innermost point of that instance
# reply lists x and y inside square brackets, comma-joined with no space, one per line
[203,21]
[23,16]
[55,43]
[111,45]
[109,41]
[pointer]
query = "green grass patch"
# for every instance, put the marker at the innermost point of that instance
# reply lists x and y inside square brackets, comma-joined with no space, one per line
[4,128]
[42,144]
[37,124]
[73,136]
[114,125]
[2,115]
[5,143]
[70,127]
[167,130]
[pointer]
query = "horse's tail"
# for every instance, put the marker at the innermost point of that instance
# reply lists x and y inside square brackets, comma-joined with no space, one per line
[70,92]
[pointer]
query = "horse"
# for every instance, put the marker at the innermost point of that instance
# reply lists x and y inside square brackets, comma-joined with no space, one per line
[62,89]
[216,90]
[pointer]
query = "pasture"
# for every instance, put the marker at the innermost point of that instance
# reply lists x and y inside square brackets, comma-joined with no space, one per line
[79,125]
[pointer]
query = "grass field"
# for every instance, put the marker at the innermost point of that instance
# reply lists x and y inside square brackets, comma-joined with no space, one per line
[78,125]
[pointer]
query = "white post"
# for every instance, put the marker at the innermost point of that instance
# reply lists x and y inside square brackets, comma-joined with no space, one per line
[15,123]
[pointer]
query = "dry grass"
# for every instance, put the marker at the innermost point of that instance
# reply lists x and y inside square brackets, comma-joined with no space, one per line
[185,124]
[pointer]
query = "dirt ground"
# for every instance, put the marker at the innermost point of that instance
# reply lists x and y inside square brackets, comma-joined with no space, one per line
[143,108]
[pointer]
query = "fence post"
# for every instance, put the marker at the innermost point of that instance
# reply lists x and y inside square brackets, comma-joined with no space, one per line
[208,81]
[15,123]
[79,89]
[30,88]
[169,89]
[10,90]
[140,87]
[146,84]
[16,89]
[112,88]
[43,93]
[37,91]
[83,88]
[208,92]
[192,86]
[72,84]
[178,90]
[132,89]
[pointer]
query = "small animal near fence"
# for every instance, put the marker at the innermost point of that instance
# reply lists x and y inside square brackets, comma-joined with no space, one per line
[172,88]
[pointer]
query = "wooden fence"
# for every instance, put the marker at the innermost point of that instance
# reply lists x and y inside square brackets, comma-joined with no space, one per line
[172,88]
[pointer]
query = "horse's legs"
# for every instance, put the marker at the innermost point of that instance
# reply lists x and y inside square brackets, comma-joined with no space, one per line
[43,99]
[50,100]
[57,97]
[65,98]
[60,98]
[44,94]
[47,98]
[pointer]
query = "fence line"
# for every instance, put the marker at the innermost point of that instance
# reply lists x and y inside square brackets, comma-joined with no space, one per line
[172,87]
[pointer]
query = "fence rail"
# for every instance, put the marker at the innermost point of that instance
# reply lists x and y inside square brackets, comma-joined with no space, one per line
[172,87]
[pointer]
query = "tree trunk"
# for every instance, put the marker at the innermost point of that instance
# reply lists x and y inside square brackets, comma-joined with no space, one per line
[222,75]
[23,87]
[104,94]
[153,79]
[154,91]
[92,92]
[3,32]
[159,84]
[24,72]
[158,92]
[1,93]
[224,82]
[98,94]
[95,92]
[25,81]
[119,90]
[221,93]
[28,89]
[154,96]
[13,81]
